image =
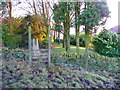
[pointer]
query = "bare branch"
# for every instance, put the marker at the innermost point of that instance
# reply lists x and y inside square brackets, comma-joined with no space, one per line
[49,5]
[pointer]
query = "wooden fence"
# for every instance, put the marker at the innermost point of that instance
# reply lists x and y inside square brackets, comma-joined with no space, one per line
[39,55]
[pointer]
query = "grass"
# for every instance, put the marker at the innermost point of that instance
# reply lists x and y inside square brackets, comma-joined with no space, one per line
[96,61]
[20,75]
[58,49]
[61,50]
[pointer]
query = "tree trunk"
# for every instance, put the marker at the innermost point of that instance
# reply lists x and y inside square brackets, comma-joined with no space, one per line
[58,37]
[64,40]
[34,7]
[10,7]
[77,26]
[10,14]
[77,39]
[43,9]
[67,40]
[86,45]
[67,37]
[64,36]
[54,35]
[49,47]
[68,33]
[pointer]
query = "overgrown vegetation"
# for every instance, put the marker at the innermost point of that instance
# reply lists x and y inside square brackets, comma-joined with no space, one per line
[107,43]
[10,36]
[84,69]
[19,75]
[81,39]
[96,61]
[18,54]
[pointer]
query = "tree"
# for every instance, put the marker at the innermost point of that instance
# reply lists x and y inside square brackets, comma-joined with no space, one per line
[58,29]
[10,9]
[42,8]
[10,35]
[37,26]
[77,25]
[10,25]
[6,8]
[93,15]
[38,7]
[62,15]
[3,8]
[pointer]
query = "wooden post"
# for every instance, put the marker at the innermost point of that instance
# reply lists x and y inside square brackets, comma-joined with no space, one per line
[49,47]
[37,44]
[30,47]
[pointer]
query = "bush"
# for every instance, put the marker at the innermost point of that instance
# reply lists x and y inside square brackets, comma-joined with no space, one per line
[72,40]
[81,40]
[43,43]
[107,43]
[11,40]
[96,61]
[8,54]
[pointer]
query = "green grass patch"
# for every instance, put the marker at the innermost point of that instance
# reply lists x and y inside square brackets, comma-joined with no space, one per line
[62,50]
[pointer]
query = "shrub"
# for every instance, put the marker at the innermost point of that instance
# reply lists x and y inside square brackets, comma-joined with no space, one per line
[57,41]
[11,40]
[107,43]
[81,39]
[96,61]
[8,54]
[72,40]
[43,43]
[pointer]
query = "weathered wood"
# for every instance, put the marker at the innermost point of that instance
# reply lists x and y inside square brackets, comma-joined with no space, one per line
[29,43]
[43,54]
[44,57]
[38,55]
[49,46]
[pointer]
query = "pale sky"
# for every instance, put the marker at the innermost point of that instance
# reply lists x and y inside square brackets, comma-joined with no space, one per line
[112,4]
[113,7]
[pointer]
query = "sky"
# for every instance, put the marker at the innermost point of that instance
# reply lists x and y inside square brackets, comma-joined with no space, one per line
[111,22]
[113,7]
